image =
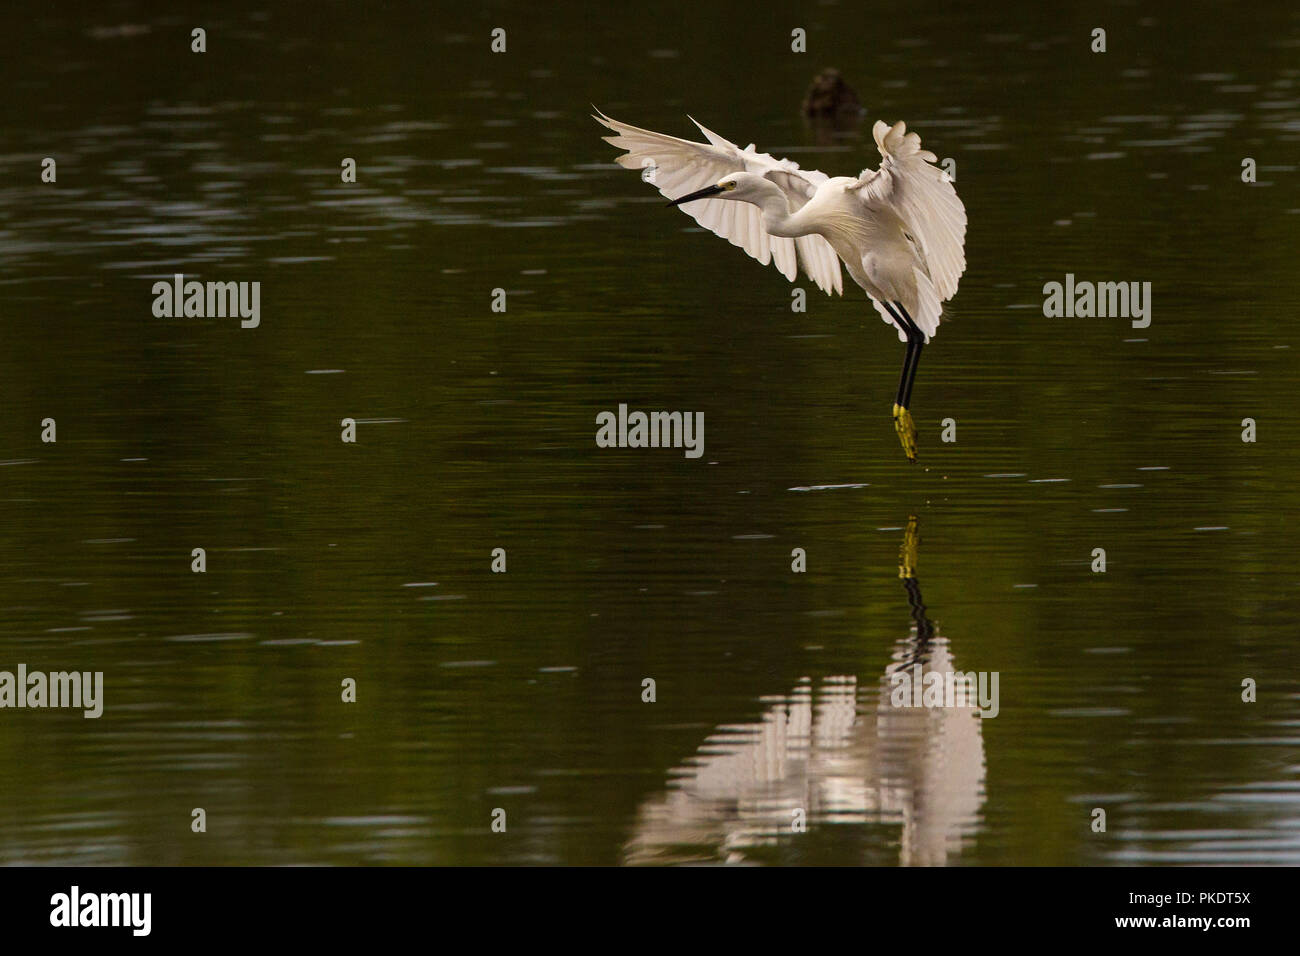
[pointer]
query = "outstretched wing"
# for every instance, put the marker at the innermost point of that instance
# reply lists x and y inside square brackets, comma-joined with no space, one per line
[923,196]
[682,167]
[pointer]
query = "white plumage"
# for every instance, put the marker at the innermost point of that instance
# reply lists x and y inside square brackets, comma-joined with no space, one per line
[899,230]
[906,188]
[682,167]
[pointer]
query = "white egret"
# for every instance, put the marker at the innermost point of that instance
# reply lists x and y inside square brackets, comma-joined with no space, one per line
[900,230]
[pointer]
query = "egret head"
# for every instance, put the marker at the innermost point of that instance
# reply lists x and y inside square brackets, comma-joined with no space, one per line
[747,187]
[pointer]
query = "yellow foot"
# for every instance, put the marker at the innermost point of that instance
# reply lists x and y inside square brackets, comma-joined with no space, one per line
[906,431]
[907,553]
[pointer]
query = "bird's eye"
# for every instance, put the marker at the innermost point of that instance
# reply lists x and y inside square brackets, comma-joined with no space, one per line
[730,185]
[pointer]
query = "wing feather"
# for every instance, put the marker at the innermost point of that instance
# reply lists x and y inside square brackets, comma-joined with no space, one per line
[682,167]
[923,196]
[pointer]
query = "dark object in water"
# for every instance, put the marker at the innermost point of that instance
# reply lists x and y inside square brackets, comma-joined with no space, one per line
[829,97]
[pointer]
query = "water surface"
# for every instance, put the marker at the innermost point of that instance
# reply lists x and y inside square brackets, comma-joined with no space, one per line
[524,691]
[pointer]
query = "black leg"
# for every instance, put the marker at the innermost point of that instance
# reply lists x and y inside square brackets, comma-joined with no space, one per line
[916,341]
[903,424]
[901,399]
[911,375]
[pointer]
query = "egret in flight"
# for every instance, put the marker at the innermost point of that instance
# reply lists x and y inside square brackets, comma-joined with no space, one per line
[900,230]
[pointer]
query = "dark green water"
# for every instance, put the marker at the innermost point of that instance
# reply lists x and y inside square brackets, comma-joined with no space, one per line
[523,691]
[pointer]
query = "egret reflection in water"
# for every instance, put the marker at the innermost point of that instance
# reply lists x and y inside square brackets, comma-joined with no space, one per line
[842,753]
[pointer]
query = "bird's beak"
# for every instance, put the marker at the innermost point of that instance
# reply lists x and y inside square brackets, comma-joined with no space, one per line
[699,194]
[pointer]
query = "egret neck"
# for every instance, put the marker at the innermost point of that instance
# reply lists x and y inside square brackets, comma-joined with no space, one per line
[777,218]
